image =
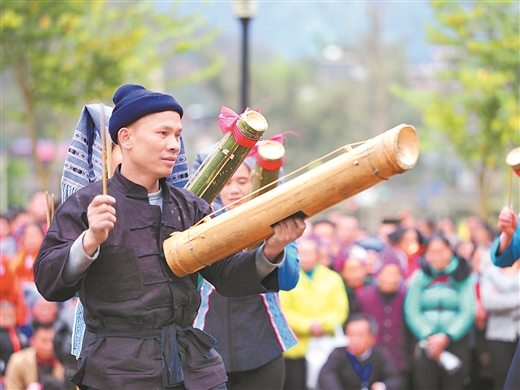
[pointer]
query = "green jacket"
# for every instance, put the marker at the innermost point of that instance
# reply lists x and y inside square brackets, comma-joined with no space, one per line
[440,302]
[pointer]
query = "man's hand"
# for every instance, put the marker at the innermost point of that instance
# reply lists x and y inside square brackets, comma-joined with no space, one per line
[285,232]
[437,343]
[101,220]
[507,224]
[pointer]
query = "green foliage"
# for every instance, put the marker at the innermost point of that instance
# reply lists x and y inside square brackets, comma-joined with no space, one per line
[63,55]
[72,52]
[476,106]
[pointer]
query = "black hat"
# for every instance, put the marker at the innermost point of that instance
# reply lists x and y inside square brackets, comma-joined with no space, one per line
[132,102]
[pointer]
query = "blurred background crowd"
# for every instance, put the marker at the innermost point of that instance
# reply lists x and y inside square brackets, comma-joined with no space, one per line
[348,273]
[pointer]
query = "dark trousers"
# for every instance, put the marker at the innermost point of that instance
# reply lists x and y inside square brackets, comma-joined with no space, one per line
[428,374]
[295,374]
[501,354]
[513,376]
[268,377]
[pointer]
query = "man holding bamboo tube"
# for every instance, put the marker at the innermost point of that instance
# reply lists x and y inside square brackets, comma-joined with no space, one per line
[109,248]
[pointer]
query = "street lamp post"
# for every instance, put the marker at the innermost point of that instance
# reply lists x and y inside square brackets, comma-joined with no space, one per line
[245,10]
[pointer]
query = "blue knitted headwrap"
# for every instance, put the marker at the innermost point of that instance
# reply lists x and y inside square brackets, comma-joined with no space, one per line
[132,102]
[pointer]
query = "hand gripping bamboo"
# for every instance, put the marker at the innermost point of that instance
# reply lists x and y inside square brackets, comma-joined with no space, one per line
[390,153]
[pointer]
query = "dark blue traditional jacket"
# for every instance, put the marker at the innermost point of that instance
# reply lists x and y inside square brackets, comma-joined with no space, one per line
[251,331]
[139,312]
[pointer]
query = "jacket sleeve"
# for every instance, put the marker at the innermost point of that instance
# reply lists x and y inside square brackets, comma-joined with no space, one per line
[495,300]
[463,322]
[391,377]
[237,276]
[417,322]
[68,223]
[289,271]
[329,377]
[510,255]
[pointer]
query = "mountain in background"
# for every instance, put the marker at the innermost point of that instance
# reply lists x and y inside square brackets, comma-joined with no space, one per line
[296,29]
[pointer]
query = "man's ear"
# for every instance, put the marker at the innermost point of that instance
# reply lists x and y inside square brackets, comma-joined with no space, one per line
[124,138]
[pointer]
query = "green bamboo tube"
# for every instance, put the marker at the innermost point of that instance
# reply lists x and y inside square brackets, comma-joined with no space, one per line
[272,152]
[226,158]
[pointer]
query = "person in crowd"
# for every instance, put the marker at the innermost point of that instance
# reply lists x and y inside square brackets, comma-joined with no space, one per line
[465,249]
[30,242]
[373,244]
[313,308]
[440,310]
[386,227]
[139,312]
[11,291]
[500,291]
[11,339]
[37,208]
[447,227]
[347,229]
[426,227]
[410,242]
[36,364]
[8,246]
[480,370]
[326,229]
[505,251]
[252,332]
[384,300]
[63,328]
[17,217]
[43,312]
[350,262]
[364,364]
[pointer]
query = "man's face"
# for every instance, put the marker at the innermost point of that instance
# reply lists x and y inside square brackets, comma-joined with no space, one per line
[43,344]
[360,338]
[237,187]
[150,146]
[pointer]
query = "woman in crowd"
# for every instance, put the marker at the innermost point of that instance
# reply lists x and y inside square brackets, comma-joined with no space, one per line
[439,311]
[384,301]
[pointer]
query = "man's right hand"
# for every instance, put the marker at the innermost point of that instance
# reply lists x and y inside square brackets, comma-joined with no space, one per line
[101,220]
[507,220]
[507,224]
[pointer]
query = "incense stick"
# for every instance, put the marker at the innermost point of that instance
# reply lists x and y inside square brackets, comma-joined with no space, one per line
[47,210]
[103,149]
[510,186]
[52,207]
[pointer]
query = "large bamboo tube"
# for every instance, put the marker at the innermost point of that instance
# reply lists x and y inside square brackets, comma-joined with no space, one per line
[391,153]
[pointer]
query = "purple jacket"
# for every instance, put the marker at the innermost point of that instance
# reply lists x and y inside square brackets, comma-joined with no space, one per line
[388,311]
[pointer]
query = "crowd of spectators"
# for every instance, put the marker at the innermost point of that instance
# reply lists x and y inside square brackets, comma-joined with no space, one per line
[27,321]
[431,300]
[403,294]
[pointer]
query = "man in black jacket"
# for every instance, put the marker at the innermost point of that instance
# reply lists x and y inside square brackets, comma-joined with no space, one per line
[362,365]
[109,248]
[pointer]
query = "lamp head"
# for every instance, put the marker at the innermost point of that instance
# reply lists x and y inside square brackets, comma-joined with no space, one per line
[245,9]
